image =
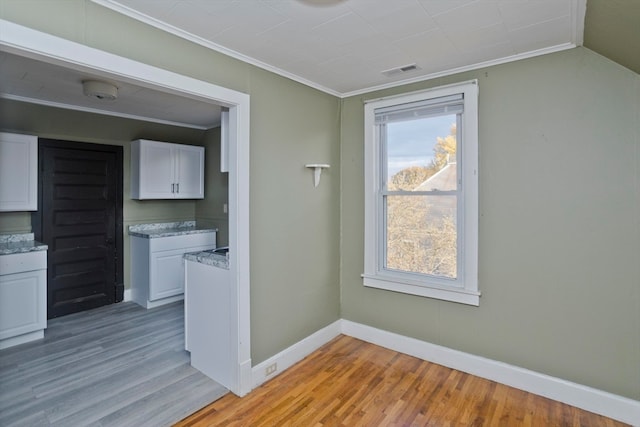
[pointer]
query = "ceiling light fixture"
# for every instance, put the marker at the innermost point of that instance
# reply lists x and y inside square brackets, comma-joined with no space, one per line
[103,91]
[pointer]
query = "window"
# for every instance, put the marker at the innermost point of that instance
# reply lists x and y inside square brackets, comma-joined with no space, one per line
[421,200]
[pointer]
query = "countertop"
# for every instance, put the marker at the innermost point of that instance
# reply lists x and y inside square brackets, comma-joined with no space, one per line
[19,243]
[209,257]
[167,229]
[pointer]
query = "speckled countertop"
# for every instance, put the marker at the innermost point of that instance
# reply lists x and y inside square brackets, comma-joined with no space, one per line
[166,229]
[209,257]
[19,243]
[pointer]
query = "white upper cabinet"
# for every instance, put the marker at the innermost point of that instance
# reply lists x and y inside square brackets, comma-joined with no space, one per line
[18,172]
[161,170]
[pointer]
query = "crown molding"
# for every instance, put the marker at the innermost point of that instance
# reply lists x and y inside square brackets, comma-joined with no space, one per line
[578,10]
[131,13]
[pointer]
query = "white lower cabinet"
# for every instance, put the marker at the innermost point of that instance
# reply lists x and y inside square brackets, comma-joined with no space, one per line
[208,322]
[157,266]
[168,266]
[23,297]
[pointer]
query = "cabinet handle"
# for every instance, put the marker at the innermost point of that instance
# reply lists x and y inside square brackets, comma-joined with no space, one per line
[177,187]
[173,188]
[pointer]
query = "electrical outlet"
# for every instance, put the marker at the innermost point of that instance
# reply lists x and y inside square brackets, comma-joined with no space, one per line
[225,208]
[270,369]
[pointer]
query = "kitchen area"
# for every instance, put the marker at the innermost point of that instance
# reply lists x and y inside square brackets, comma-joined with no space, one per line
[157,256]
[152,104]
[179,260]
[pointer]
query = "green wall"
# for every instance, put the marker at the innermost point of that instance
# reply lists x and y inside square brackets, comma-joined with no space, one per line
[559,227]
[294,226]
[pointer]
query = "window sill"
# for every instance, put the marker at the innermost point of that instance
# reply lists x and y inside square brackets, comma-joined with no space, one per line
[457,295]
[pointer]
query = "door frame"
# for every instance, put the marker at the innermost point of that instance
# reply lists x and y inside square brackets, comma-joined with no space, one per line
[23,41]
[37,216]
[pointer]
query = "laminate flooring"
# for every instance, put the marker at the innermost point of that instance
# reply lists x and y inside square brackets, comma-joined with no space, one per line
[118,365]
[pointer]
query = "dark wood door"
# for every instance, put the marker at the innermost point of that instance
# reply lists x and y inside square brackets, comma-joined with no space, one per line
[80,218]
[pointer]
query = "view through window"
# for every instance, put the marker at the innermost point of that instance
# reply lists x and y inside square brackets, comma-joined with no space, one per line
[421,197]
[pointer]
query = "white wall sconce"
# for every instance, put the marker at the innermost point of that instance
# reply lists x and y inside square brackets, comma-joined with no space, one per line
[317,171]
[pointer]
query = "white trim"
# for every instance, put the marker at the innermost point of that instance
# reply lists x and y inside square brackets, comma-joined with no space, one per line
[24,41]
[451,294]
[464,289]
[587,398]
[102,112]
[465,68]
[127,295]
[134,14]
[295,353]
[21,339]
[44,47]
[159,303]
[578,7]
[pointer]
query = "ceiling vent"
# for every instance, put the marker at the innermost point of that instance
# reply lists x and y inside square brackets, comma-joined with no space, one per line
[400,70]
[100,90]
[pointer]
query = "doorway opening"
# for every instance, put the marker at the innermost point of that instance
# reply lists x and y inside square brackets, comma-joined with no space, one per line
[44,47]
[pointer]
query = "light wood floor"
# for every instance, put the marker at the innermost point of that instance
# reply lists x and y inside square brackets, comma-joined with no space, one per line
[119,365]
[352,383]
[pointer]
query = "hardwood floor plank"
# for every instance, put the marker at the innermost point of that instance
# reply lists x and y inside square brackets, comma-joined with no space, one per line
[117,365]
[352,383]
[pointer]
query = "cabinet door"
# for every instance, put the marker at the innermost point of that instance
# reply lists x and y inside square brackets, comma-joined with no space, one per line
[18,172]
[167,274]
[23,303]
[156,171]
[189,172]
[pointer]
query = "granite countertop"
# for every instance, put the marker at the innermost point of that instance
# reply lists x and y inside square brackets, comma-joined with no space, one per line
[19,243]
[209,257]
[167,229]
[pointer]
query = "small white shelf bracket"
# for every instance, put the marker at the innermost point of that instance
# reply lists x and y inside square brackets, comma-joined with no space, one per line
[317,171]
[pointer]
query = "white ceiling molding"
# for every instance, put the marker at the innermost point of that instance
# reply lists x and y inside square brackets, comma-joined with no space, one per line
[342,49]
[464,69]
[131,13]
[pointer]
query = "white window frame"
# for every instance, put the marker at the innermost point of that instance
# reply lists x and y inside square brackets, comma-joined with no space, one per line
[465,289]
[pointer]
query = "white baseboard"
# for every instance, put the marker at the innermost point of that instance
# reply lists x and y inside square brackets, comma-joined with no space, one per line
[590,399]
[127,295]
[290,356]
[21,339]
[587,398]
[246,378]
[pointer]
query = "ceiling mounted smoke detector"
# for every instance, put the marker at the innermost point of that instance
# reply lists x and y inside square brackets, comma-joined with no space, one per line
[97,89]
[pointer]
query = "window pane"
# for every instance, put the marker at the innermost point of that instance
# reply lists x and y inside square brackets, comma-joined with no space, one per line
[417,149]
[421,234]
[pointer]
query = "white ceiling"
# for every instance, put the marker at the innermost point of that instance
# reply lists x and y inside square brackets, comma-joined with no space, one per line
[38,82]
[343,46]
